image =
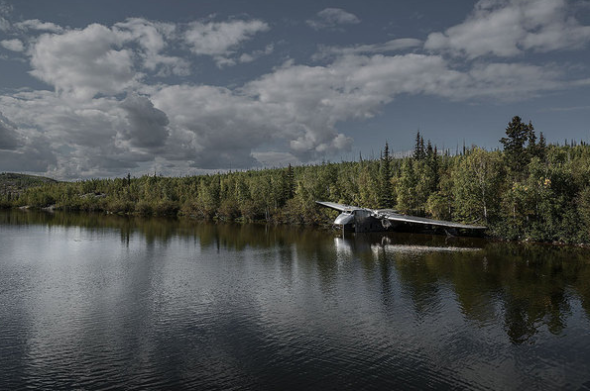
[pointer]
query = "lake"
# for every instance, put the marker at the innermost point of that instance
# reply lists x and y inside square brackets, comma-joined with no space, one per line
[99,302]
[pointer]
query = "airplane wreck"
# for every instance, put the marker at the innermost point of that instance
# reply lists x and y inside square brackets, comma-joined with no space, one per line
[356,219]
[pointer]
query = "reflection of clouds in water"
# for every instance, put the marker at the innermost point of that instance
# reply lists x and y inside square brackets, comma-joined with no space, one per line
[269,307]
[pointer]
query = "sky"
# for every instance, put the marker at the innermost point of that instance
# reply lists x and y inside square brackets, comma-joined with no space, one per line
[104,88]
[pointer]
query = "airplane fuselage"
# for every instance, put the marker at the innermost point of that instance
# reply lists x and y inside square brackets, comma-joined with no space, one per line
[353,218]
[361,220]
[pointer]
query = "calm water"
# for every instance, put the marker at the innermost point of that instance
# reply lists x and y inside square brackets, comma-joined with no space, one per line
[104,302]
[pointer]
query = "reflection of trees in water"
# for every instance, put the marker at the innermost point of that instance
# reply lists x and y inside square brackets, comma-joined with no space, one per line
[536,281]
[419,281]
[582,288]
[525,286]
[228,236]
[531,283]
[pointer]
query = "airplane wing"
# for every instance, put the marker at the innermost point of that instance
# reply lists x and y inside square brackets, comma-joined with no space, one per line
[340,207]
[425,221]
[394,216]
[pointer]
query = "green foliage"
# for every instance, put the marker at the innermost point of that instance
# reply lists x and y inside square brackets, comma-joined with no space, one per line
[529,191]
[516,153]
[406,187]
[419,150]
[385,193]
[477,185]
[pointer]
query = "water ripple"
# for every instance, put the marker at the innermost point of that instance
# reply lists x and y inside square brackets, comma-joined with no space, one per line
[101,314]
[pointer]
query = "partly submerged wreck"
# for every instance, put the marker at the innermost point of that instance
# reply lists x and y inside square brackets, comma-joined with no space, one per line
[355,219]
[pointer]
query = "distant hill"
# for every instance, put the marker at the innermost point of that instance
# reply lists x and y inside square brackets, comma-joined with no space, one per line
[16,183]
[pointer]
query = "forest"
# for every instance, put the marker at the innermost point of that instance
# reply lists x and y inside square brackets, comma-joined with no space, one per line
[528,191]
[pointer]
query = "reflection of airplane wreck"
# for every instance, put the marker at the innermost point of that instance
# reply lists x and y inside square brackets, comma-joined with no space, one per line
[404,244]
[355,219]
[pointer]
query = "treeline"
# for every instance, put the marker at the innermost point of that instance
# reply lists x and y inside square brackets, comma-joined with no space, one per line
[11,183]
[527,191]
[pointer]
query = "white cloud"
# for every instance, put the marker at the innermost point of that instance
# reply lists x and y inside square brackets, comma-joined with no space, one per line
[332,18]
[389,46]
[213,127]
[9,138]
[147,125]
[291,113]
[249,57]
[153,38]
[508,28]
[36,24]
[4,24]
[221,39]
[15,45]
[295,106]
[24,151]
[75,138]
[5,11]
[83,63]
[509,82]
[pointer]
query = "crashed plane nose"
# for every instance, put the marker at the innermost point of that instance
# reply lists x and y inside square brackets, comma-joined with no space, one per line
[344,219]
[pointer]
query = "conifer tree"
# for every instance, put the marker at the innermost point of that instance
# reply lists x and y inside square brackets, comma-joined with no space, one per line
[433,163]
[287,184]
[406,197]
[542,146]
[518,134]
[385,197]
[429,150]
[419,152]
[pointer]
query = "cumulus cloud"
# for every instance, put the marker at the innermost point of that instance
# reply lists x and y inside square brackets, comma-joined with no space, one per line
[83,63]
[33,157]
[26,152]
[221,39]
[298,104]
[147,125]
[153,38]
[312,100]
[209,127]
[331,19]
[14,45]
[508,28]
[120,119]
[75,138]
[214,127]
[8,135]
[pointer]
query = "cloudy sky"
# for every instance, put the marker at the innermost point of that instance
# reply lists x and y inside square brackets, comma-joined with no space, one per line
[102,88]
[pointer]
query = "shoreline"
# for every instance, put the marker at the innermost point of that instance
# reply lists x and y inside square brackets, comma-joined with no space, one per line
[52,209]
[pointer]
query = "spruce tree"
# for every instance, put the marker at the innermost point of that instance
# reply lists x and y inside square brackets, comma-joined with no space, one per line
[419,152]
[515,153]
[385,197]
[541,147]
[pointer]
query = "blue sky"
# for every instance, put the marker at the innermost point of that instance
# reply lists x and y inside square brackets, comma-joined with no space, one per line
[102,88]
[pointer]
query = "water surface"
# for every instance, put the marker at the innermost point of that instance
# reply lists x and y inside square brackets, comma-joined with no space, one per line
[105,302]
